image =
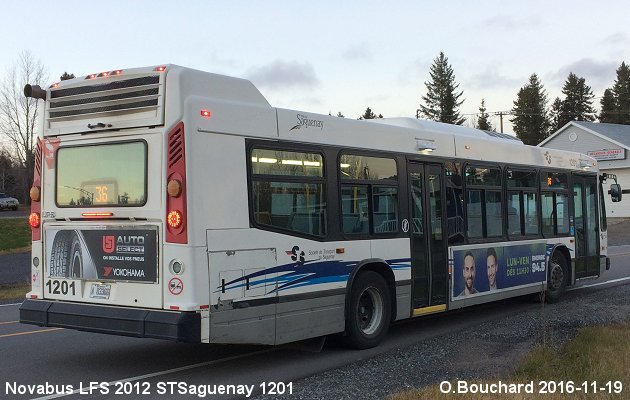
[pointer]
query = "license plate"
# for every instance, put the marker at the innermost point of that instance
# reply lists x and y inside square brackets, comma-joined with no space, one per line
[100,291]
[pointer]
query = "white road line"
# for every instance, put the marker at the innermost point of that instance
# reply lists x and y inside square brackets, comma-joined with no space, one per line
[166,372]
[13,304]
[599,284]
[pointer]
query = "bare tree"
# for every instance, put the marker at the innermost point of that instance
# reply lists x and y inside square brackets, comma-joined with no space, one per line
[19,114]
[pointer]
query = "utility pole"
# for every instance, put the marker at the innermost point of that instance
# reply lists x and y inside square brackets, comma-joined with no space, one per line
[501,114]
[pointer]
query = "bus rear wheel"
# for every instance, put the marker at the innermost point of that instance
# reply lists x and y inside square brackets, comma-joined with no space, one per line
[369,311]
[557,278]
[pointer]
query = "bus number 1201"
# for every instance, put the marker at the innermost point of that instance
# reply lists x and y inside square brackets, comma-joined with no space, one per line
[61,287]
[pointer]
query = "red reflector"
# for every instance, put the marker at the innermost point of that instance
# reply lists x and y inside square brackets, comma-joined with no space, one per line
[33,220]
[206,113]
[33,296]
[160,69]
[174,307]
[97,214]
[204,307]
[174,219]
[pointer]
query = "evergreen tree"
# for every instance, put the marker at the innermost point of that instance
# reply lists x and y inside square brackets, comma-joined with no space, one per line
[531,122]
[442,100]
[621,91]
[555,114]
[66,76]
[578,101]
[483,122]
[368,114]
[608,109]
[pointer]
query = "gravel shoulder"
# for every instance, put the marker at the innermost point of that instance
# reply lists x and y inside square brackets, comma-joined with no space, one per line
[489,350]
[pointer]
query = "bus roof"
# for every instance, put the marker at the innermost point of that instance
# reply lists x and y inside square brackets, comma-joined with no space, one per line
[241,109]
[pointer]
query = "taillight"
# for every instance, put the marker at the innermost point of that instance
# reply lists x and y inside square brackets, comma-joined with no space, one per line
[34,219]
[176,229]
[174,219]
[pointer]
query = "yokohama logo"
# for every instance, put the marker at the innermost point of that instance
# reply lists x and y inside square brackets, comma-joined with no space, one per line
[123,272]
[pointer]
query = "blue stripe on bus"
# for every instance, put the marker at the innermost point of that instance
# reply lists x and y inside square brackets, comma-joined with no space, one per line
[312,272]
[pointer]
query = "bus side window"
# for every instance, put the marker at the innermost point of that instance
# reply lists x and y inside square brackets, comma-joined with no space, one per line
[369,199]
[288,191]
[522,206]
[483,202]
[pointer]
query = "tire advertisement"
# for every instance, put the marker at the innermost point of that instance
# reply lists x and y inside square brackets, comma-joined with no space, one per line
[108,254]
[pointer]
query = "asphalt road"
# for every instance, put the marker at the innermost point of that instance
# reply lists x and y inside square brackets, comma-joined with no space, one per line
[21,212]
[32,355]
[15,268]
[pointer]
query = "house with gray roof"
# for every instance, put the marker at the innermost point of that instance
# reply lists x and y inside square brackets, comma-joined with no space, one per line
[609,144]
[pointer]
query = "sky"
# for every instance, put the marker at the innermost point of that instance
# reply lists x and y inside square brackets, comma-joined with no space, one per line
[334,56]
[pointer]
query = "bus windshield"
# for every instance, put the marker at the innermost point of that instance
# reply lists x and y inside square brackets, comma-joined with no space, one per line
[102,175]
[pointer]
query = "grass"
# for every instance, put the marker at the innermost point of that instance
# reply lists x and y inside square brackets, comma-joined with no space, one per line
[14,291]
[596,355]
[15,235]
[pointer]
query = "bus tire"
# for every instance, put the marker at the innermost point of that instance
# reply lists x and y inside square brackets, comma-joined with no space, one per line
[557,278]
[66,258]
[369,311]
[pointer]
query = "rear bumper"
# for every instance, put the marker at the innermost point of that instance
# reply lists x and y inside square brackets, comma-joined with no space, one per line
[178,326]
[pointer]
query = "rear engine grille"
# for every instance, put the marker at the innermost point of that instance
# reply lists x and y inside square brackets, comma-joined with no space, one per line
[123,95]
[145,80]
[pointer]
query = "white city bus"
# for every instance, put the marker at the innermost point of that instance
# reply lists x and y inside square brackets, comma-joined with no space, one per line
[178,204]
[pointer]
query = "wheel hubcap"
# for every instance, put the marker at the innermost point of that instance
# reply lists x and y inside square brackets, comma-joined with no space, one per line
[370,311]
[557,276]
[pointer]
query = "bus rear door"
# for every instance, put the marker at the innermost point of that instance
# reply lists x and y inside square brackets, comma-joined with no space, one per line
[428,250]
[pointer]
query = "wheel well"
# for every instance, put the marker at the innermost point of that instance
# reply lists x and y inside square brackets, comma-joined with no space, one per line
[383,269]
[564,251]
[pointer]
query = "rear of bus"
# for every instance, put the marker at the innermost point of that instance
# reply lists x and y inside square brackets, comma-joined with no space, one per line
[107,229]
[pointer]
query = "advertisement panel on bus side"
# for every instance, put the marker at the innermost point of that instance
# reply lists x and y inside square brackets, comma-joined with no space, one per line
[483,269]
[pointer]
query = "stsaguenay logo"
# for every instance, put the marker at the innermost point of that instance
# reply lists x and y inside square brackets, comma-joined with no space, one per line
[305,122]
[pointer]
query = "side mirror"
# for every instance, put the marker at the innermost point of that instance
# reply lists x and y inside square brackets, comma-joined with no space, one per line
[615,192]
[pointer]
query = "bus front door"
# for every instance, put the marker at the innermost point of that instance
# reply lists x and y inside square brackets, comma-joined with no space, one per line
[428,251]
[586,226]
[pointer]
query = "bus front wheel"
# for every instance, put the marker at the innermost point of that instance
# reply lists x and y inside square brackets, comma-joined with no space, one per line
[369,311]
[558,277]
